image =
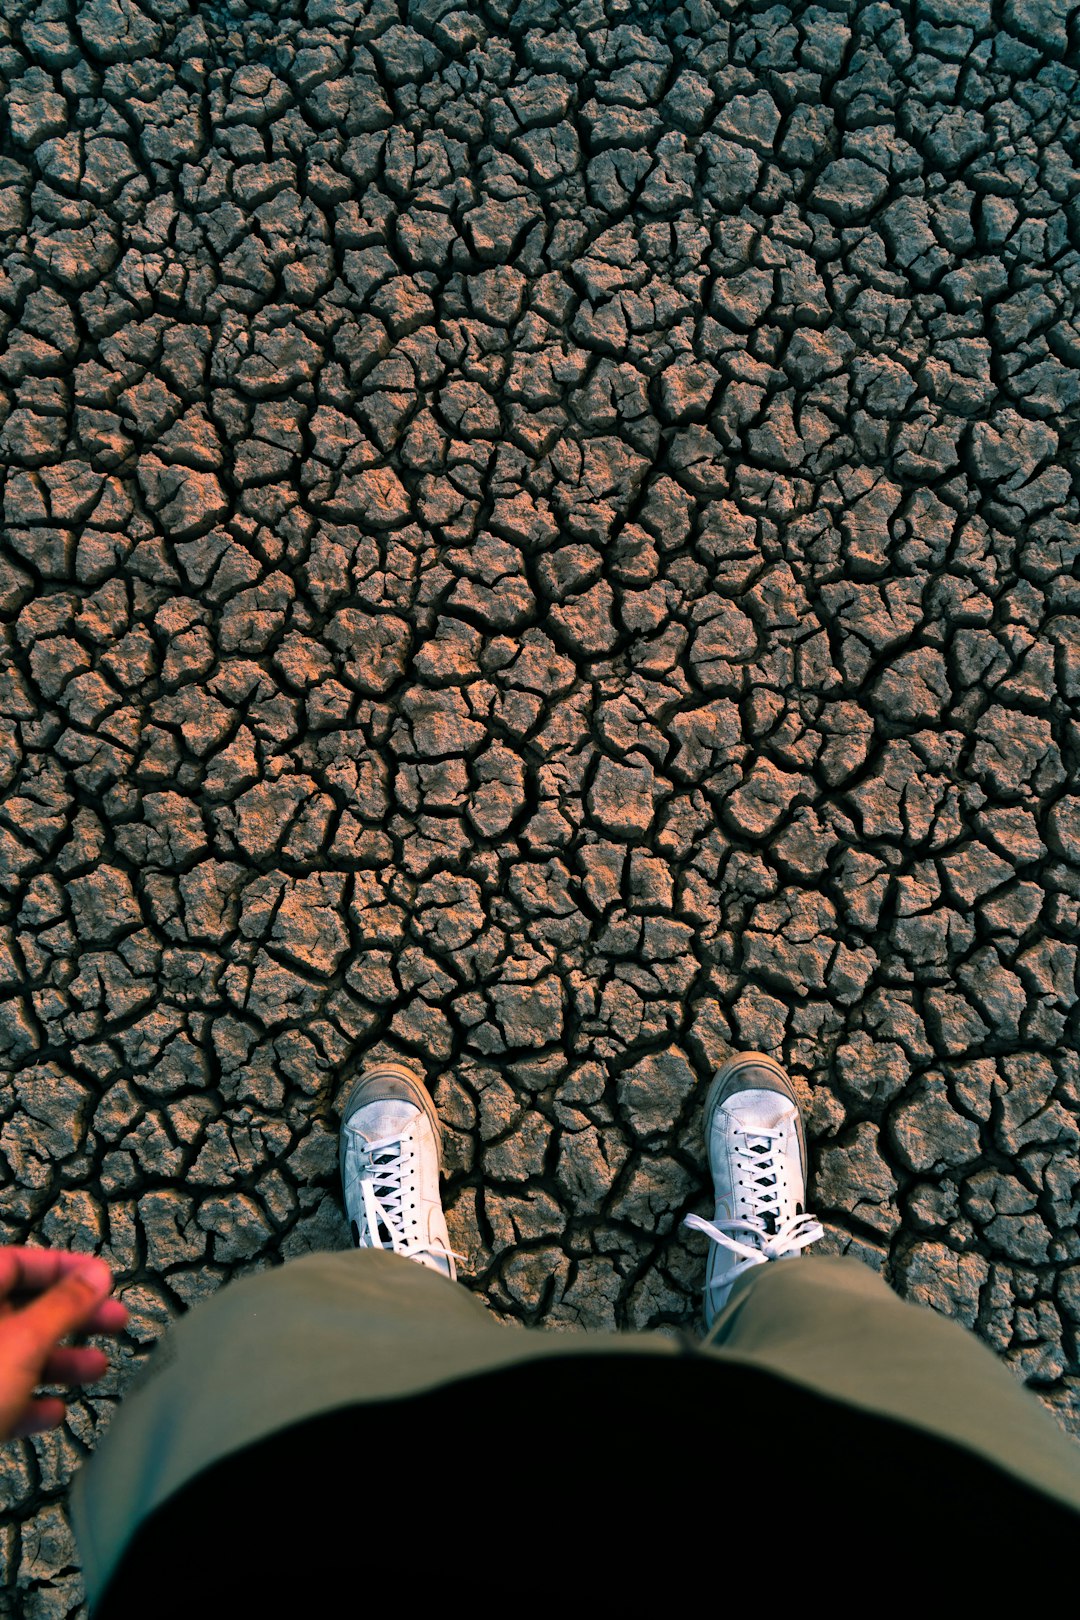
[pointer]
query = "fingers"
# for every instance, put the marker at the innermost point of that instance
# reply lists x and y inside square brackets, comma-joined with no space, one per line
[26,1272]
[30,1271]
[45,1413]
[67,1306]
[110,1317]
[80,1365]
[46,1295]
[26,1415]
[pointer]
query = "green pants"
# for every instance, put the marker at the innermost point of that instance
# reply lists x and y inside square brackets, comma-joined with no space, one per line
[329,1330]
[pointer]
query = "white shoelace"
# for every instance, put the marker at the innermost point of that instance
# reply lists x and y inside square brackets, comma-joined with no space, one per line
[756,1174]
[383,1168]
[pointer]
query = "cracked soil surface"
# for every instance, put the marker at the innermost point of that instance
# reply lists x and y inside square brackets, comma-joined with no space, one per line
[543,539]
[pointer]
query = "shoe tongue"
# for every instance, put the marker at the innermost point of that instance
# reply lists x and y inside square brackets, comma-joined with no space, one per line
[760,1110]
[388,1118]
[763,1111]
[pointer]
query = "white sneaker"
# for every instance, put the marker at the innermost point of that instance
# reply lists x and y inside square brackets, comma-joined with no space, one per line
[389,1157]
[757,1154]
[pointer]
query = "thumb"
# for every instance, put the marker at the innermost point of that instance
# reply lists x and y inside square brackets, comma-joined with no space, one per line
[66,1306]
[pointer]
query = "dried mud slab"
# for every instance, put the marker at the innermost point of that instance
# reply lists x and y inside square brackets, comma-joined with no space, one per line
[541,539]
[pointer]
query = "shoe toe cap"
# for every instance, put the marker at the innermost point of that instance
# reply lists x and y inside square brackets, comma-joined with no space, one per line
[391,1082]
[757,1107]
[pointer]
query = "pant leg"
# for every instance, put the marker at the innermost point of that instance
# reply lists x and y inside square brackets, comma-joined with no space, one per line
[834,1325]
[333,1329]
[323,1331]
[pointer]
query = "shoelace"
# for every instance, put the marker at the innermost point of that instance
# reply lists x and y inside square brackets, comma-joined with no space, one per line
[756,1172]
[383,1167]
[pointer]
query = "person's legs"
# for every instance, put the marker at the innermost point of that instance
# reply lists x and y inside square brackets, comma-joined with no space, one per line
[333,1330]
[834,1326]
[322,1332]
[831,1324]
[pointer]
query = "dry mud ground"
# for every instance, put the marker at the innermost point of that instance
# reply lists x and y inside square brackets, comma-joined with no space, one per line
[541,538]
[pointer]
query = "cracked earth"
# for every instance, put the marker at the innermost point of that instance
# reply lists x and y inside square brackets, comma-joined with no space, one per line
[540,539]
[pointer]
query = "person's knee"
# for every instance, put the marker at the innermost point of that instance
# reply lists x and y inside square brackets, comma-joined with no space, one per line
[837,1273]
[802,1288]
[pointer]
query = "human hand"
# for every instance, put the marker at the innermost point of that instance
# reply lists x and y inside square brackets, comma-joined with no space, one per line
[45,1296]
